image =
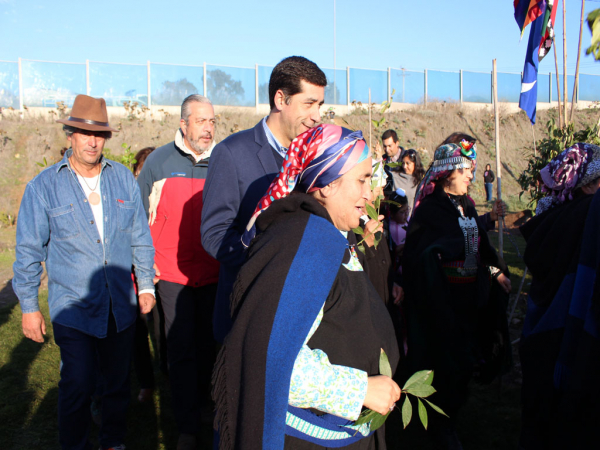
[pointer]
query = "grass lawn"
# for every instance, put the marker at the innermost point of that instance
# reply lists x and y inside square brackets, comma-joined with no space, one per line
[29,375]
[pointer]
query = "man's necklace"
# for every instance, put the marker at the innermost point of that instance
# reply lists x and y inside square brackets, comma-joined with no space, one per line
[94,197]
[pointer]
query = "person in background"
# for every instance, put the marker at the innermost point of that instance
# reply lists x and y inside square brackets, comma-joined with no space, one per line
[142,359]
[172,182]
[244,165]
[84,218]
[489,219]
[560,344]
[393,151]
[488,179]
[410,174]
[456,288]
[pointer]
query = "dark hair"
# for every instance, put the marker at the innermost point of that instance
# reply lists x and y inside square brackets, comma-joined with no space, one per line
[140,158]
[402,203]
[288,74]
[414,156]
[69,130]
[486,166]
[457,138]
[389,134]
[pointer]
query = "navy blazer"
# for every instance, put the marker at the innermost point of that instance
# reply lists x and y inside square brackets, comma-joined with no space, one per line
[240,172]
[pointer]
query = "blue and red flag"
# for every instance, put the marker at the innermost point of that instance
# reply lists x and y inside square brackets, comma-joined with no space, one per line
[540,14]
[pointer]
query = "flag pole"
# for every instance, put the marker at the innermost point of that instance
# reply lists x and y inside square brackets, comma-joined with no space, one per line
[565,94]
[370,121]
[498,166]
[561,123]
[576,84]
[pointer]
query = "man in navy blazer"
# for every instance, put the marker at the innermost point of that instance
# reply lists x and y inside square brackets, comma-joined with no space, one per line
[242,167]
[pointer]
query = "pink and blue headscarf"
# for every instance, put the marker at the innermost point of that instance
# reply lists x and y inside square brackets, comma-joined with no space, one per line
[315,158]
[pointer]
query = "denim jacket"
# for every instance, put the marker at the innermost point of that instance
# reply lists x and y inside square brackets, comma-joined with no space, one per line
[56,225]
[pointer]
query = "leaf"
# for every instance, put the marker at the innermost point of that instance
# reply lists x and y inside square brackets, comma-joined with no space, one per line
[422,413]
[376,168]
[366,416]
[406,411]
[358,230]
[436,408]
[394,164]
[371,212]
[384,365]
[361,248]
[418,378]
[377,203]
[421,390]
[377,238]
[40,164]
[378,420]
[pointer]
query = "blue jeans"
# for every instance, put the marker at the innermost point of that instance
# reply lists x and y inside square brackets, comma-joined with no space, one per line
[489,187]
[81,357]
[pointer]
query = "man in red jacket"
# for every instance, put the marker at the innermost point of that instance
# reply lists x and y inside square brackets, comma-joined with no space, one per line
[171,183]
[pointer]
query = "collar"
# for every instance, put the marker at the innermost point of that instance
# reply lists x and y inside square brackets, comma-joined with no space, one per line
[396,157]
[65,161]
[273,140]
[180,144]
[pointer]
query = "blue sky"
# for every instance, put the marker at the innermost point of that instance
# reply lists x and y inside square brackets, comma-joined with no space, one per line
[438,34]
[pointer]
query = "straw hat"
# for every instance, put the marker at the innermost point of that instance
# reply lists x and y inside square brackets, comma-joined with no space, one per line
[88,113]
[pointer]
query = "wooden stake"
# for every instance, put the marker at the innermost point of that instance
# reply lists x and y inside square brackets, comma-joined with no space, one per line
[560,117]
[534,146]
[576,84]
[565,94]
[498,166]
[370,121]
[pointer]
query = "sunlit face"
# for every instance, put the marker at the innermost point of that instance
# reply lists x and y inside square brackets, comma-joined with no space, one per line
[199,129]
[346,197]
[391,148]
[301,112]
[458,181]
[408,165]
[87,147]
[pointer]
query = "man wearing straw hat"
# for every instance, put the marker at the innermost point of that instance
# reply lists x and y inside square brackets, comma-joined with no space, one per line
[84,218]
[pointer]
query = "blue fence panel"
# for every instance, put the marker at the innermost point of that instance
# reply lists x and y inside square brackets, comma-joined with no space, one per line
[409,86]
[509,87]
[443,86]
[589,87]
[336,92]
[477,87]
[570,82]
[9,85]
[119,83]
[361,80]
[170,85]
[45,84]
[543,88]
[231,86]
[264,74]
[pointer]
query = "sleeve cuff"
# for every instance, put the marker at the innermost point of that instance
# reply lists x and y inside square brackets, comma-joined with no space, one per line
[147,291]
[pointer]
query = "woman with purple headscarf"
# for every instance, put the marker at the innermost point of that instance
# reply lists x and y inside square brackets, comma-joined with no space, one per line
[302,358]
[560,345]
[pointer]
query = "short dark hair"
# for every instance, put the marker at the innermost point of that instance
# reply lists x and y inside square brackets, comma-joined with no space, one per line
[69,130]
[140,158]
[288,74]
[389,134]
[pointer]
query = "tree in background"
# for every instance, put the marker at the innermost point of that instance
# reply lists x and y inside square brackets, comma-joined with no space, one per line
[224,90]
[174,92]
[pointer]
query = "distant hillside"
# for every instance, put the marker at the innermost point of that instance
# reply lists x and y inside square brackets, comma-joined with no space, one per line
[23,143]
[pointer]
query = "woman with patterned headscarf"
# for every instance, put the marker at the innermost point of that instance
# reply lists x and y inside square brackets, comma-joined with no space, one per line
[560,345]
[456,287]
[302,358]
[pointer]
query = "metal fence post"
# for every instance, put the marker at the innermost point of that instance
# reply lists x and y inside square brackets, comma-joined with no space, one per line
[204,80]
[88,89]
[256,85]
[389,85]
[348,87]
[20,87]
[460,88]
[149,88]
[425,87]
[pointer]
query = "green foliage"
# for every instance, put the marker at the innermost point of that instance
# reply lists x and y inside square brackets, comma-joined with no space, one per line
[593,20]
[127,158]
[558,139]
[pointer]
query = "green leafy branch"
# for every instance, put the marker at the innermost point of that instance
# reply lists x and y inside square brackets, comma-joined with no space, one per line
[419,386]
[593,20]
[373,213]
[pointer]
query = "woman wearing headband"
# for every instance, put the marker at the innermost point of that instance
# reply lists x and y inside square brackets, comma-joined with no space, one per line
[560,345]
[302,358]
[456,323]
